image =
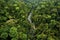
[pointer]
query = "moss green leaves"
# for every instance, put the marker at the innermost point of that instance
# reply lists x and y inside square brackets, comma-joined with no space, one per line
[4,35]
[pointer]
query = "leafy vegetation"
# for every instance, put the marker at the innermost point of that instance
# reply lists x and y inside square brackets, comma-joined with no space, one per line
[15,26]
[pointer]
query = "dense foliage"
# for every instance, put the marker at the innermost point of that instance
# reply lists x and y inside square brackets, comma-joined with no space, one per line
[15,26]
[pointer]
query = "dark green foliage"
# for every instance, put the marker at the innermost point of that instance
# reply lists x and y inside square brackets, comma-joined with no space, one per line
[15,26]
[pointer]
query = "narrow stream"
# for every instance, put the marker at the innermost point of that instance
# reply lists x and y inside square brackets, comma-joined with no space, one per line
[30,21]
[32,29]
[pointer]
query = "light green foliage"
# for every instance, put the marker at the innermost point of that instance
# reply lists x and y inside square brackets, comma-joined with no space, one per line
[13,32]
[13,39]
[42,36]
[23,36]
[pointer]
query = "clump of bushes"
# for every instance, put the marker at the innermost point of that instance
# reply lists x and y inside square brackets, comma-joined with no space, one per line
[46,20]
